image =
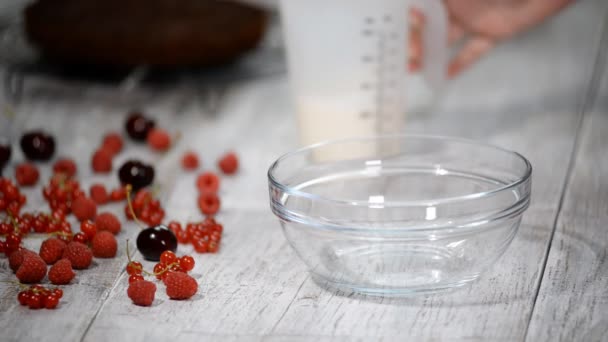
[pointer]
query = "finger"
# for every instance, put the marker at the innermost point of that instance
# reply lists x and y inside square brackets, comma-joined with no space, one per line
[455,32]
[469,54]
[416,22]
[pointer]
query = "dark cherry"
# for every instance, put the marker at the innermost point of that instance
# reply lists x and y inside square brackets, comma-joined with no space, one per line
[136,173]
[153,241]
[5,155]
[37,145]
[138,126]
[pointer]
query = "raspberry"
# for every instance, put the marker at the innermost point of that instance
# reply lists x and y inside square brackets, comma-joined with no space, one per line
[142,292]
[51,250]
[32,269]
[228,163]
[190,161]
[158,139]
[61,273]
[209,203]
[208,182]
[65,166]
[112,142]
[104,245]
[79,255]
[26,174]
[99,194]
[84,208]
[102,161]
[180,285]
[16,258]
[108,221]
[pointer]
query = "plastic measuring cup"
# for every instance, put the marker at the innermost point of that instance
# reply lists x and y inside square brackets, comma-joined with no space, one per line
[347,63]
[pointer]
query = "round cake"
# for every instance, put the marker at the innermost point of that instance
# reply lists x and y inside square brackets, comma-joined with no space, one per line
[162,33]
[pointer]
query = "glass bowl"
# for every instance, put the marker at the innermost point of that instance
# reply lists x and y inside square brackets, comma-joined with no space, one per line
[399,215]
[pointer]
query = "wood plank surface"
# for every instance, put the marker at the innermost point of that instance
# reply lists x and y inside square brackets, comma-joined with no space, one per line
[572,303]
[527,95]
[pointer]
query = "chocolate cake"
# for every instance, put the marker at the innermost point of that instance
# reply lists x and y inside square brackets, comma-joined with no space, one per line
[164,33]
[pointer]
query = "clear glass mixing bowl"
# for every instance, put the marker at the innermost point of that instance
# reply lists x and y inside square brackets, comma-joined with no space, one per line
[399,215]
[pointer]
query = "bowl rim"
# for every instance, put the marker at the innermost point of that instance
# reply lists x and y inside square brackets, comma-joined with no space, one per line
[412,203]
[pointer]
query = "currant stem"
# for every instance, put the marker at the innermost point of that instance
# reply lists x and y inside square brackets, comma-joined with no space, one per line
[129,257]
[129,189]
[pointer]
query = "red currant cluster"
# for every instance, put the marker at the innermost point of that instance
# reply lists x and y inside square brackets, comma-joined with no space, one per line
[38,297]
[146,208]
[169,262]
[62,192]
[11,200]
[11,244]
[88,229]
[17,227]
[205,236]
[172,270]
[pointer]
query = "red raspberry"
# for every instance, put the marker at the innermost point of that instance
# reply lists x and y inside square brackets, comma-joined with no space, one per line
[99,194]
[112,142]
[190,161]
[108,221]
[209,203]
[16,258]
[142,292]
[84,208]
[26,174]
[104,245]
[61,273]
[66,166]
[32,269]
[102,161]
[158,139]
[208,182]
[180,285]
[51,250]
[229,163]
[79,255]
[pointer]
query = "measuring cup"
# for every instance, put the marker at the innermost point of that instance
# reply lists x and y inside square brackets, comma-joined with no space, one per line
[347,62]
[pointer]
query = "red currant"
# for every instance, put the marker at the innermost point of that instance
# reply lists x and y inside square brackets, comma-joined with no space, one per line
[182,236]
[13,241]
[213,247]
[23,297]
[175,226]
[201,246]
[168,257]
[80,237]
[134,267]
[57,292]
[160,270]
[186,262]
[34,301]
[50,302]
[135,277]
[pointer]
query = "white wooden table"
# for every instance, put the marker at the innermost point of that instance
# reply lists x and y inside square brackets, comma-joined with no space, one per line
[544,94]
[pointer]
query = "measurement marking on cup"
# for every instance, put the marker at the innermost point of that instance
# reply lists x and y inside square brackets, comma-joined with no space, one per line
[383,90]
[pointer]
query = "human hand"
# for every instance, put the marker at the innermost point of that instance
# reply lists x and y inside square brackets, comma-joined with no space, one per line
[483,23]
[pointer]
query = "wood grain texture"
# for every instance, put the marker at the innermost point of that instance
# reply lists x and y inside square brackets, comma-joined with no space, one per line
[525,96]
[572,304]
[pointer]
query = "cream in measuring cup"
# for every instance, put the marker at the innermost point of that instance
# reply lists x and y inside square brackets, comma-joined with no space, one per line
[348,65]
